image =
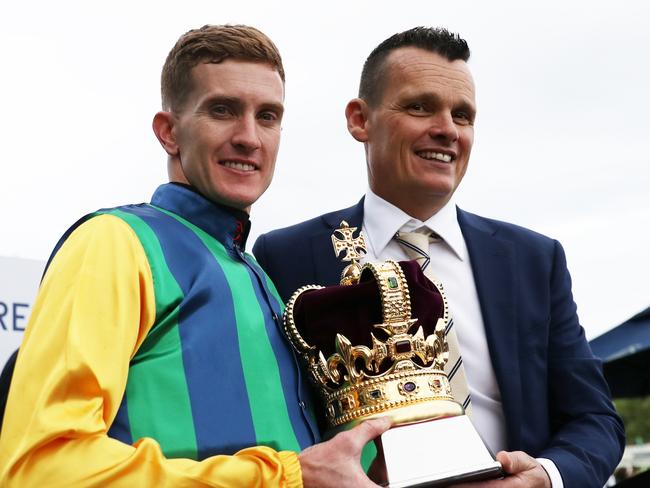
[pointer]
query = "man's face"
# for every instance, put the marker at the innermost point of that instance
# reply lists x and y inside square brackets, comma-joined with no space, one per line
[228,131]
[419,136]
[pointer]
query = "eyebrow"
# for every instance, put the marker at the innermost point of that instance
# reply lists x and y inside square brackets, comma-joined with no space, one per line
[468,107]
[239,103]
[275,107]
[222,99]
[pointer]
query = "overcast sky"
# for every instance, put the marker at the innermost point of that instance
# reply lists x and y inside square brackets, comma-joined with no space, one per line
[562,138]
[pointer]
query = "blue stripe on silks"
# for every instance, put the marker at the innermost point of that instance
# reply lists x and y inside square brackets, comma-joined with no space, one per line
[120,429]
[289,372]
[210,349]
[305,392]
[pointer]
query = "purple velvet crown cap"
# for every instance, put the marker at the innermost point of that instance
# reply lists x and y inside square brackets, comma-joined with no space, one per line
[353,310]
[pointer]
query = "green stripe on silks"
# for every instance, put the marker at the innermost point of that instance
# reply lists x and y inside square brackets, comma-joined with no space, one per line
[261,372]
[161,375]
[369,451]
[311,406]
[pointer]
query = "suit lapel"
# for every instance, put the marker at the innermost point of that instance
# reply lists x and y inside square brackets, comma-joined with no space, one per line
[493,265]
[328,267]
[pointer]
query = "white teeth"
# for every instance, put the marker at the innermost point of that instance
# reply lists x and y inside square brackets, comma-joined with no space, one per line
[434,155]
[239,166]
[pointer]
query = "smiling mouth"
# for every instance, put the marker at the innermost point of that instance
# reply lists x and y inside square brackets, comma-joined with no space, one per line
[238,165]
[435,156]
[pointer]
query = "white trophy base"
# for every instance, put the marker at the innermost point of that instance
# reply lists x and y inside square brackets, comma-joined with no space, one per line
[436,453]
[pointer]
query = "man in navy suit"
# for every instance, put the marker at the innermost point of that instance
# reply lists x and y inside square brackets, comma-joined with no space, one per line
[538,394]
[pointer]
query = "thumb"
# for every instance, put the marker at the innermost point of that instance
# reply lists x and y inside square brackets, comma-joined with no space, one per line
[368,430]
[515,462]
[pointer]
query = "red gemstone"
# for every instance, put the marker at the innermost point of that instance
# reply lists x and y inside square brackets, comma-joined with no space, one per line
[403,346]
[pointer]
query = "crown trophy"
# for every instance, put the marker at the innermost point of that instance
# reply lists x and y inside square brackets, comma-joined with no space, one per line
[375,347]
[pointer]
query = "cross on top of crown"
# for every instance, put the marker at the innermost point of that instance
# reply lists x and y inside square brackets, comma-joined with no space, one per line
[354,247]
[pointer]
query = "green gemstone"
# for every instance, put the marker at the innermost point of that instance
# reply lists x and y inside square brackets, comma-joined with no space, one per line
[392,282]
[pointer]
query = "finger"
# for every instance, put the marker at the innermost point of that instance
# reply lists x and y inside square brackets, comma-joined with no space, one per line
[506,463]
[363,433]
[371,429]
[515,461]
[352,441]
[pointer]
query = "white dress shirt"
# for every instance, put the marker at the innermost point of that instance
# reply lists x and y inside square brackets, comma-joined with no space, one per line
[451,265]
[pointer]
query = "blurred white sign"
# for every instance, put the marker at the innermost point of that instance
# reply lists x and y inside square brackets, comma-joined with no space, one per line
[19,280]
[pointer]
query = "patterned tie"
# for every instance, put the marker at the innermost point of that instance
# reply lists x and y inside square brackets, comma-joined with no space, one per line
[416,245]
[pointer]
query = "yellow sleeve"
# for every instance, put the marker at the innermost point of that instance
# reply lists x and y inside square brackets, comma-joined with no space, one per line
[95,306]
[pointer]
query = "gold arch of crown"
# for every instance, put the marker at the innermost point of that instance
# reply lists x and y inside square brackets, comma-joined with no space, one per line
[350,380]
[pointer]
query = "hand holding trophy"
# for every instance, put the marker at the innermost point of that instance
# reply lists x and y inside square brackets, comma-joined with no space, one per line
[375,347]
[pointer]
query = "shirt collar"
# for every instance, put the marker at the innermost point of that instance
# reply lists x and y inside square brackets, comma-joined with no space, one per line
[382,220]
[228,225]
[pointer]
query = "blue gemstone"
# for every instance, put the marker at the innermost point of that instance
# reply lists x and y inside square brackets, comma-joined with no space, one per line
[409,386]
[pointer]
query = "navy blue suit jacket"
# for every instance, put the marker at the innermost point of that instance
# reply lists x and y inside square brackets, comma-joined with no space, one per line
[555,399]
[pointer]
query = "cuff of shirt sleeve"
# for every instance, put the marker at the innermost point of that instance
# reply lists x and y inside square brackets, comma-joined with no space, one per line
[552,471]
[293,473]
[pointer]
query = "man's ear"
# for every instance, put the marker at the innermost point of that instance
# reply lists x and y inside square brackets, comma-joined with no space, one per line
[356,112]
[163,125]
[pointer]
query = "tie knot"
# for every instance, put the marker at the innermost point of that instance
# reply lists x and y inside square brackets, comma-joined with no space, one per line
[416,246]
[414,238]
[420,238]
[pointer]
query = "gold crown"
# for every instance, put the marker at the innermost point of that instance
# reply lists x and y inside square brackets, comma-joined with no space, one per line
[401,376]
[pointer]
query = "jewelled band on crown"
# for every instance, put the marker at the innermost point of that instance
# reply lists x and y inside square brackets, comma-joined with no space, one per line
[354,381]
[394,293]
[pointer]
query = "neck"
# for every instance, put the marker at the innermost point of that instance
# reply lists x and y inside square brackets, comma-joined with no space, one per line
[420,210]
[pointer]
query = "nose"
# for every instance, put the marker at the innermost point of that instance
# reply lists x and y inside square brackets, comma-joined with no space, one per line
[443,127]
[245,133]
